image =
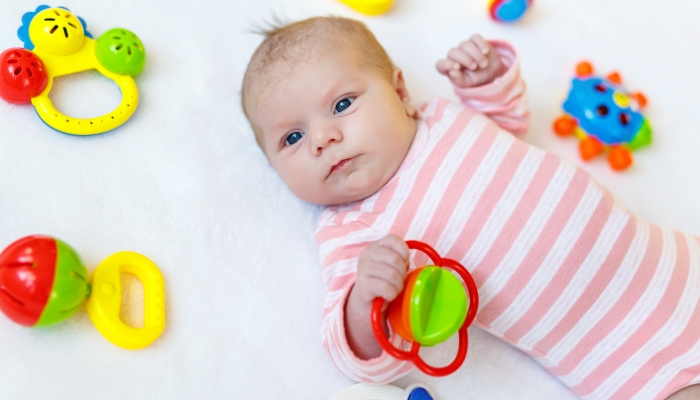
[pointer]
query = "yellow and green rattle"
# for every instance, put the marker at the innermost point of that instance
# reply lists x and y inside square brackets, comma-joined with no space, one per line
[57,43]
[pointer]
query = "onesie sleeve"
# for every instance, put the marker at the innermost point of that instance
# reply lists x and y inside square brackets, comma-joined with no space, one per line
[340,246]
[503,100]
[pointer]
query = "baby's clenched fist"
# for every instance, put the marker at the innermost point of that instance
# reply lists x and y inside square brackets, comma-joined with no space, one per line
[381,271]
[473,63]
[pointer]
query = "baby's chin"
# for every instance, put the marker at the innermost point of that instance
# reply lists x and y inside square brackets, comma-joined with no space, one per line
[350,191]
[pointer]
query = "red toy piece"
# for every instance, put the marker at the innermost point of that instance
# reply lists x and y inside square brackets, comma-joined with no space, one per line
[412,355]
[22,76]
[27,270]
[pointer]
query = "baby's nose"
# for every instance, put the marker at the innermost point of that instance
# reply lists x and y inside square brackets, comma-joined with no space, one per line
[323,137]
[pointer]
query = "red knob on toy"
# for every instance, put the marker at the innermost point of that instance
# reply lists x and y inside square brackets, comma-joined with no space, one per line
[22,75]
[430,309]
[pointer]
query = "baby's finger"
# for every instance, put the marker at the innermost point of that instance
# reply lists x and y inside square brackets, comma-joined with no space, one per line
[473,51]
[460,79]
[460,56]
[377,287]
[444,66]
[389,274]
[397,244]
[481,43]
[388,258]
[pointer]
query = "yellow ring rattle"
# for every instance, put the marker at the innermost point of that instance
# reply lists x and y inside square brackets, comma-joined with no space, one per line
[57,43]
[104,303]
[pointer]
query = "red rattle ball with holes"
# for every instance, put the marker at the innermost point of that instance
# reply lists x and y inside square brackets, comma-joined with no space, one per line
[23,76]
[42,281]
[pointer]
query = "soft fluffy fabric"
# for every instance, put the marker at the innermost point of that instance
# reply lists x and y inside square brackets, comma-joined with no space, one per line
[184,183]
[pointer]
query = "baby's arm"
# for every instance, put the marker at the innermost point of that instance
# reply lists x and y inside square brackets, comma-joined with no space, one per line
[381,271]
[486,77]
[350,253]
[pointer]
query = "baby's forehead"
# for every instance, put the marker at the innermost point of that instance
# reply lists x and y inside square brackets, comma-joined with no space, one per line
[273,75]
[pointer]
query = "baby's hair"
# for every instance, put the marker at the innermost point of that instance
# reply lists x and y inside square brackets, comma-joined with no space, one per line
[287,44]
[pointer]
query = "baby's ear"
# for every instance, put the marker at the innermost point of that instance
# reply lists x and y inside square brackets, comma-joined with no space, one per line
[402,91]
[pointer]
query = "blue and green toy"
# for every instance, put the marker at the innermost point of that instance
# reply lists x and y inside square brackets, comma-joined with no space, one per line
[605,117]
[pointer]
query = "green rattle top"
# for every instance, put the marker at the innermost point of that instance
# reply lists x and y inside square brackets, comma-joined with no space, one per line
[438,306]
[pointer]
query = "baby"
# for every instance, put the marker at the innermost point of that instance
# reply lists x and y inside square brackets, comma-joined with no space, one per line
[603,300]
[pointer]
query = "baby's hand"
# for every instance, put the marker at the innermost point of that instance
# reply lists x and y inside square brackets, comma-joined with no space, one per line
[381,270]
[473,63]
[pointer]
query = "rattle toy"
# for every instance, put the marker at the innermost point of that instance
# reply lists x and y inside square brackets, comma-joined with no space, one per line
[43,281]
[431,308]
[370,7]
[605,117]
[56,43]
[508,10]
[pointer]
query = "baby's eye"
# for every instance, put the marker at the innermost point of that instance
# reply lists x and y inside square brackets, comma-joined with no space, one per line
[293,138]
[343,105]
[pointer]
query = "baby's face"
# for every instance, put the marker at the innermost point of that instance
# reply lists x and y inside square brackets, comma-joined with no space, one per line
[335,129]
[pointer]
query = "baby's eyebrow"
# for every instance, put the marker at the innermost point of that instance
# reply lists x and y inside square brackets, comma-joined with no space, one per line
[279,126]
[331,92]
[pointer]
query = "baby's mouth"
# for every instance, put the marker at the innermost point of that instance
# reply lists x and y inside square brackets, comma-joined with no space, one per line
[341,165]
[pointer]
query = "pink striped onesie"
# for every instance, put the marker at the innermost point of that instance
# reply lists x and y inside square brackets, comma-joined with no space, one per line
[603,300]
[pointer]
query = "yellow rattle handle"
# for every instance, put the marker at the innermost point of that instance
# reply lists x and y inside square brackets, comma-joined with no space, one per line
[90,126]
[83,60]
[104,303]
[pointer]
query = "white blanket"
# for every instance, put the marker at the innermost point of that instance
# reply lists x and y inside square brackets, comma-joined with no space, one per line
[184,183]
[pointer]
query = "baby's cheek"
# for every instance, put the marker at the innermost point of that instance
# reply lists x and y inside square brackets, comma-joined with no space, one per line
[306,188]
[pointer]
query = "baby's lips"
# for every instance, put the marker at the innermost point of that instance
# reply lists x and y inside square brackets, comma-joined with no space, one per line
[340,165]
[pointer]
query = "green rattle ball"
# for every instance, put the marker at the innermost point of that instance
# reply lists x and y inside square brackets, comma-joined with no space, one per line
[121,51]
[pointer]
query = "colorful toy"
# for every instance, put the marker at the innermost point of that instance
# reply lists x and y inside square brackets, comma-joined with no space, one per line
[373,391]
[370,7]
[43,281]
[56,43]
[605,117]
[432,307]
[508,10]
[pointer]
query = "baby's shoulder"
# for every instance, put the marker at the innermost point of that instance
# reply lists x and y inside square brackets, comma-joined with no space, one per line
[343,214]
[436,108]
[338,225]
[348,218]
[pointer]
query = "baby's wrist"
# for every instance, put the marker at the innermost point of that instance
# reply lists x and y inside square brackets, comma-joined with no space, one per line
[358,328]
[499,72]
[356,306]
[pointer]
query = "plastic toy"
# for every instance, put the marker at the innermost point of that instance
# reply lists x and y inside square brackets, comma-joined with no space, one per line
[508,10]
[370,7]
[432,307]
[56,43]
[367,391]
[43,281]
[605,117]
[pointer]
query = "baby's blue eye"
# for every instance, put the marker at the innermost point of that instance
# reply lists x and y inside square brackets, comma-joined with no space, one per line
[342,105]
[293,138]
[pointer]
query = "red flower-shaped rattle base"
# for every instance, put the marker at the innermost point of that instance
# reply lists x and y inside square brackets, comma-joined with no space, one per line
[432,307]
